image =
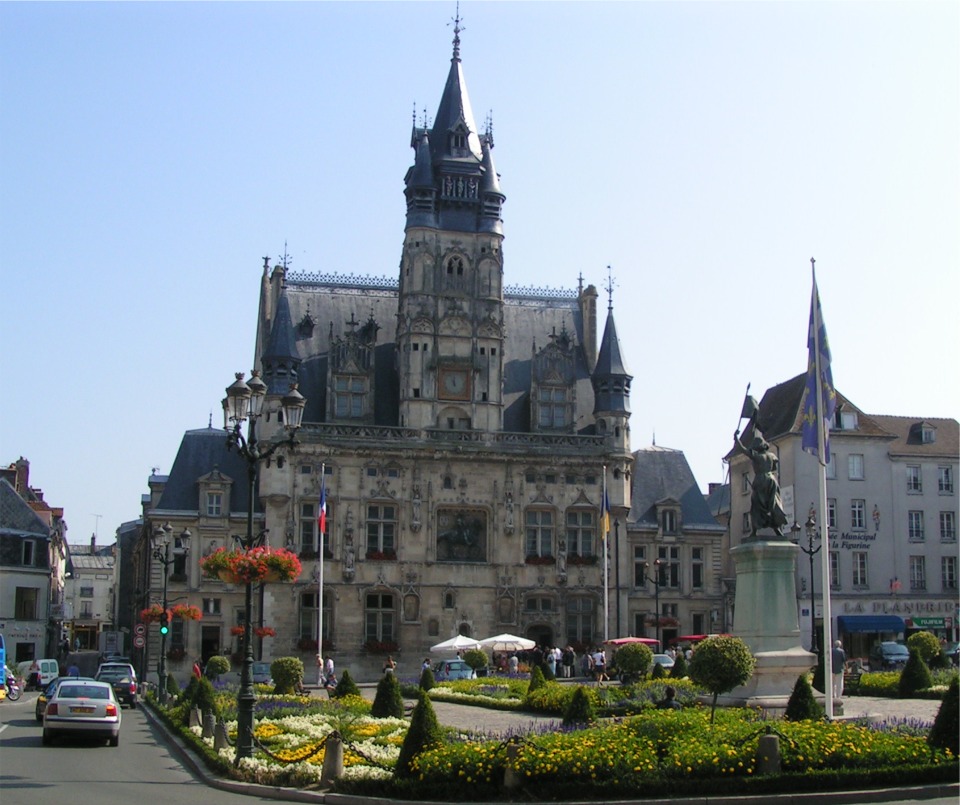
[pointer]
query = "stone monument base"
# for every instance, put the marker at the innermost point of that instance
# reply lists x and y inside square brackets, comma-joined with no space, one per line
[773,680]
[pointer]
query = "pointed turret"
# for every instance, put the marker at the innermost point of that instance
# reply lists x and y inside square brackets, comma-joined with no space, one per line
[280,359]
[611,380]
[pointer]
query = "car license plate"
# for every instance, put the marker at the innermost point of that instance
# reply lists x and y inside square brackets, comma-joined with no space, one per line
[81,709]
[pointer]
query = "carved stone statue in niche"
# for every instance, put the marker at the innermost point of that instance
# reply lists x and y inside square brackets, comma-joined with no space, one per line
[349,558]
[411,607]
[415,522]
[562,561]
[505,609]
[508,505]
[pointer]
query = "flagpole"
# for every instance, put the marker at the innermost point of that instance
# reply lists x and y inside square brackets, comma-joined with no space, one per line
[822,425]
[606,553]
[320,547]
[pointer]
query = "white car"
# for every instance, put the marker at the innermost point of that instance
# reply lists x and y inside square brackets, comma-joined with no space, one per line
[663,659]
[83,708]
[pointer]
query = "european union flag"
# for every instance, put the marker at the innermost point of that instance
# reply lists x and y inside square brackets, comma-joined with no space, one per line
[818,411]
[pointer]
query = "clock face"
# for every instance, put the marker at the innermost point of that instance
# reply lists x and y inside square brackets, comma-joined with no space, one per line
[453,384]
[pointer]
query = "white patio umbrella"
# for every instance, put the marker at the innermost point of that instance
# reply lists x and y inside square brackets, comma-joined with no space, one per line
[507,642]
[456,644]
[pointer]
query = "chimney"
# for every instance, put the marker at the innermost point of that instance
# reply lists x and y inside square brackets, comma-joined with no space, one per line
[588,312]
[23,476]
[93,544]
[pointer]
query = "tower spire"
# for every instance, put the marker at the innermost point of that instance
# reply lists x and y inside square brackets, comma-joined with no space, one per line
[456,34]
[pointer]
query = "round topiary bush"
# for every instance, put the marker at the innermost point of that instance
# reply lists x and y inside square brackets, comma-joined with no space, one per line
[914,677]
[720,664]
[424,732]
[217,666]
[476,659]
[345,687]
[925,644]
[580,710]
[388,703]
[633,660]
[287,673]
[945,732]
[803,705]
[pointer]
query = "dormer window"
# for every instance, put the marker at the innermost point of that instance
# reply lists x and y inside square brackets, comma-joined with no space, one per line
[845,419]
[458,142]
[928,435]
[349,393]
[552,407]
[669,521]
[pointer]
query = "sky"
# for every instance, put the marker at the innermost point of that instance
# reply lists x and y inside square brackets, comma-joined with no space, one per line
[151,154]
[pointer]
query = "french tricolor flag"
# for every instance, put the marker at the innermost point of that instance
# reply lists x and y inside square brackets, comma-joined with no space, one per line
[322,514]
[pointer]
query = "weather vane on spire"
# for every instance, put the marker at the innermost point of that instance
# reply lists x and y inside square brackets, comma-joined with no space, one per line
[609,288]
[456,33]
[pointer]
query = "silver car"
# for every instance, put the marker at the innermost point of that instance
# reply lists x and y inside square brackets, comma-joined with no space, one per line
[82,708]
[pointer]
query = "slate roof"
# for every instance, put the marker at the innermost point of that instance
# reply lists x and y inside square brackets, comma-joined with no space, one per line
[16,515]
[529,320]
[659,474]
[202,451]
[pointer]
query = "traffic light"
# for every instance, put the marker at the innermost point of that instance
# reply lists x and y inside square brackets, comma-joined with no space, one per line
[164,621]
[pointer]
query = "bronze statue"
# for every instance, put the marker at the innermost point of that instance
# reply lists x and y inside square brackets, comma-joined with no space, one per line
[766,507]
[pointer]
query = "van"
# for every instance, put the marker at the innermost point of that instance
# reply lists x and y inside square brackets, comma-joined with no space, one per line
[48,669]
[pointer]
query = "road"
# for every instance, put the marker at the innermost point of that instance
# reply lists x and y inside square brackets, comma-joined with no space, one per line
[141,769]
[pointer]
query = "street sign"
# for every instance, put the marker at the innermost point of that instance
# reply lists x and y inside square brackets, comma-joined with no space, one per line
[139,641]
[140,629]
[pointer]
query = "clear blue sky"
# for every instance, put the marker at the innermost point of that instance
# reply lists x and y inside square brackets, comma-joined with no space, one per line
[152,153]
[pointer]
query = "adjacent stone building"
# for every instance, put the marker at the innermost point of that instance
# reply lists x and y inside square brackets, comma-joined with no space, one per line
[892,518]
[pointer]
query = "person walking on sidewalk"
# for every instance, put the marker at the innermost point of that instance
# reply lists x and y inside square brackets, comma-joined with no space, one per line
[838,658]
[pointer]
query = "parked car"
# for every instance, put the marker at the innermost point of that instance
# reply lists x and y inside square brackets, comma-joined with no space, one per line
[445,670]
[47,692]
[888,656]
[663,659]
[123,679]
[86,708]
[261,673]
[38,673]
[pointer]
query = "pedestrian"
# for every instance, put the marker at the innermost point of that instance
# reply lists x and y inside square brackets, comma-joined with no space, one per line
[328,669]
[838,659]
[669,700]
[551,661]
[514,663]
[426,664]
[390,665]
[73,669]
[197,671]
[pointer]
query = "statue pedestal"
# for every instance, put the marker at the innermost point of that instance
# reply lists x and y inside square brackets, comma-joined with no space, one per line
[765,618]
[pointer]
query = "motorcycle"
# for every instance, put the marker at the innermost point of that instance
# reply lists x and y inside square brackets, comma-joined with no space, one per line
[14,689]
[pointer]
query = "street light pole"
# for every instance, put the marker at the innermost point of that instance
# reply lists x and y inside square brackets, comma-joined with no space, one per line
[656,593]
[161,539]
[244,403]
[810,551]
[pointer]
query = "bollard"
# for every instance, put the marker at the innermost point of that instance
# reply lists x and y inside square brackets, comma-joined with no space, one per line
[195,717]
[511,777]
[332,759]
[768,754]
[209,721]
[220,738]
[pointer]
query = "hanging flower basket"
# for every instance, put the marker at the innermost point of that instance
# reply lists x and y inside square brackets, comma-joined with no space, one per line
[236,631]
[152,614]
[186,612]
[257,564]
[265,631]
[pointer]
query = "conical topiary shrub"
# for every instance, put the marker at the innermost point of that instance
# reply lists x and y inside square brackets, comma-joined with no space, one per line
[173,687]
[679,670]
[580,710]
[537,680]
[803,705]
[345,687]
[658,672]
[915,676]
[388,703]
[427,680]
[424,732]
[945,732]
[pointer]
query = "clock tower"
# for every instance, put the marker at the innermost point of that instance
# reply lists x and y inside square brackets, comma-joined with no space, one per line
[450,329]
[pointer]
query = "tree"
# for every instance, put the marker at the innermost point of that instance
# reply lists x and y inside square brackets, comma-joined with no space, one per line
[633,660]
[803,705]
[580,710]
[914,676]
[925,644]
[427,679]
[945,732]
[424,732]
[217,666]
[720,664]
[345,687]
[537,680]
[476,659]
[679,669]
[388,703]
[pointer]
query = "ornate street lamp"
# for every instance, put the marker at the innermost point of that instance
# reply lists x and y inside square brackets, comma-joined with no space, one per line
[810,551]
[160,540]
[655,580]
[244,403]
